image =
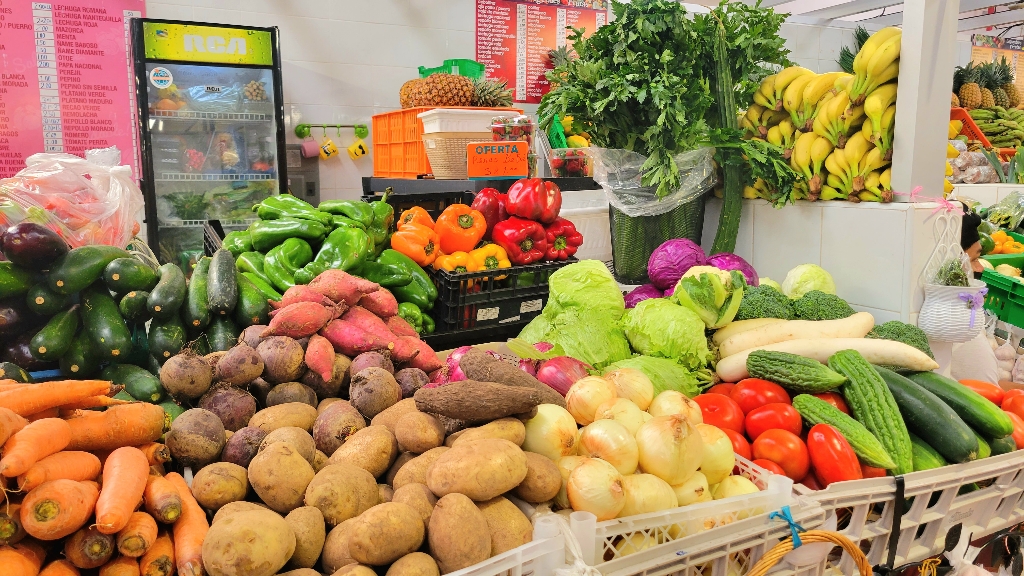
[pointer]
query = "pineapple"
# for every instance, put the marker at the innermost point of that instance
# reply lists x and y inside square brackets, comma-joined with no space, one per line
[405,93]
[987,78]
[559,58]
[998,77]
[442,90]
[1006,74]
[965,83]
[491,93]
[954,102]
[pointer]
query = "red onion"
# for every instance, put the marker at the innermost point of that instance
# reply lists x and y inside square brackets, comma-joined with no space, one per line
[562,372]
[543,346]
[528,366]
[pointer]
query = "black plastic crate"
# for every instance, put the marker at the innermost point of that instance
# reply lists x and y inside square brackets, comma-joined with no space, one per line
[451,339]
[433,202]
[213,237]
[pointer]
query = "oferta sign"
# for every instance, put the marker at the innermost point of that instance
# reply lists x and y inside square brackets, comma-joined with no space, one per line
[192,43]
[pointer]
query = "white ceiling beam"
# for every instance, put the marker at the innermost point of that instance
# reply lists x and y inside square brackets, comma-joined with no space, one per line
[896,19]
[998,19]
[767,3]
[851,8]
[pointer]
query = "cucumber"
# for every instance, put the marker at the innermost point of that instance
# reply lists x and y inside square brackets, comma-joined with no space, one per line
[169,293]
[863,442]
[931,419]
[81,360]
[139,383]
[46,302]
[252,307]
[975,409]
[122,395]
[222,334]
[268,291]
[79,268]
[1003,445]
[153,365]
[925,457]
[15,281]
[984,450]
[126,274]
[796,373]
[196,313]
[134,307]
[54,339]
[222,285]
[172,410]
[166,338]
[140,346]
[101,319]
[11,371]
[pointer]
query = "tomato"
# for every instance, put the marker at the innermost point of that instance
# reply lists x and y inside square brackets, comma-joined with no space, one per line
[810,481]
[834,399]
[720,411]
[753,393]
[772,416]
[831,455]
[724,389]
[871,471]
[740,446]
[1014,404]
[785,449]
[1007,394]
[992,392]
[770,466]
[1018,429]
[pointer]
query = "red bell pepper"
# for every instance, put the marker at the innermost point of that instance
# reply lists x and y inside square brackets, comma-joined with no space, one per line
[524,240]
[534,199]
[491,204]
[563,239]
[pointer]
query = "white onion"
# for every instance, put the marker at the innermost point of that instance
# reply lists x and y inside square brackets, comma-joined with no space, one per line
[693,490]
[632,384]
[586,395]
[611,442]
[595,486]
[671,402]
[566,464]
[622,411]
[551,433]
[733,486]
[670,448]
[719,459]
[646,493]
[637,542]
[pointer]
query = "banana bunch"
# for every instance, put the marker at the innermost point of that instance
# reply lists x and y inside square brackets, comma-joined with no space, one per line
[877,187]
[883,134]
[1002,127]
[808,158]
[850,169]
[808,93]
[955,126]
[880,109]
[758,190]
[877,63]
[757,120]
[772,91]
[835,120]
[784,135]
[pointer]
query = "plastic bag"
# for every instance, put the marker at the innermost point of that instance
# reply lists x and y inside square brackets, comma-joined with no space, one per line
[1008,212]
[214,98]
[960,145]
[980,175]
[968,159]
[619,173]
[85,202]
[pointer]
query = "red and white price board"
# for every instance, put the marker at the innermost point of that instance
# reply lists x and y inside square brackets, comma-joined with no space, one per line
[66,79]
[513,38]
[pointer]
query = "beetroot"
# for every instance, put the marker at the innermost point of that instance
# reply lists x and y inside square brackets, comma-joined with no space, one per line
[341,286]
[320,356]
[382,303]
[251,335]
[370,360]
[400,327]
[243,446]
[426,359]
[301,293]
[410,380]
[299,320]
[232,405]
[352,340]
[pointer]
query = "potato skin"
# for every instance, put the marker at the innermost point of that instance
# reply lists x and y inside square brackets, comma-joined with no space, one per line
[415,564]
[480,469]
[307,523]
[415,470]
[419,497]
[511,429]
[385,493]
[417,432]
[292,414]
[510,528]
[295,437]
[542,481]
[335,554]
[458,533]
[385,533]
[402,459]
[256,543]
[220,483]
[342,491]
[279,475]
[390,416]
[355,570]
[232,508]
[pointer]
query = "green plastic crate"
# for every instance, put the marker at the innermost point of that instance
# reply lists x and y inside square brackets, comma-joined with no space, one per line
[463,67]
[1005,296]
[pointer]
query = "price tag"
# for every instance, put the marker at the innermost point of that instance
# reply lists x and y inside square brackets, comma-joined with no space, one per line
[498,160]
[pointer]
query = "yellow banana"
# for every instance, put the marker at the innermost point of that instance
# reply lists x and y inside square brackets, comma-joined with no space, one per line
[771,118]
[767,87]
[873,160]
[835,181]
[843,82]
[775,136]
[820,149]
[853,118]
[754,113]
[801,159]
[887,131]
[794,97]
[747,126]
[761,100]
[868,196]
[782,81]
[885,179]
[815,90]
[823,103]
[750,193]
[871,181]
[866,128]
[864,56]
[857,146]
[837,166]
[822,127]
[876,103]
[830,193]
[949,169]
[761,185]
[886,54]
[891,72]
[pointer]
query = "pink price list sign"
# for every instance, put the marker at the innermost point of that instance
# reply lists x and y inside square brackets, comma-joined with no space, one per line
[66,82]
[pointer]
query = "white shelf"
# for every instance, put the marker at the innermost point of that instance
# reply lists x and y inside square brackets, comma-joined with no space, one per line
[224,116]
[192,177]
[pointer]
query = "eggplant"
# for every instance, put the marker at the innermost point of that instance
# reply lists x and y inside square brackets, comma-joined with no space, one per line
[15,317]
[33,246]
[19,351]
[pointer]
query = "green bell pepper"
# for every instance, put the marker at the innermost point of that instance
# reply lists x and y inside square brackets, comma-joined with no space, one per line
[345,249]
[237,242]
[387,275]
[283,260]
[338,221]
[987,244]
[359,211]
[269,233]
[421,291]
[252,262]
[428,324]
[288,206]
[411,314]
[383,219]
[263,286]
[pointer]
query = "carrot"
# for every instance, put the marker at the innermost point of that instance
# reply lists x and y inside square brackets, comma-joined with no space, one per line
[33,443]
[137,536]
[189,530]
[94,402]
[11,530]
[117,426]
[57,508]
[154,470]
[70,465]
[162,499]
[59,568]
[9,424]
[6,385]
[121,566]
[48,413]
[159,559]
[88,549]
[22,559]
[39,397]
[156,452]
[124,480]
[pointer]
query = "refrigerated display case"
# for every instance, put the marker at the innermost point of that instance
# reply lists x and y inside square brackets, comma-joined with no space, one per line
[212,126]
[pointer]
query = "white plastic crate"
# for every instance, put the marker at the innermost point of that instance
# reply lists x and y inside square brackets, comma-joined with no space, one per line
[538,558]
[932,506]
[458,120]
[588,211]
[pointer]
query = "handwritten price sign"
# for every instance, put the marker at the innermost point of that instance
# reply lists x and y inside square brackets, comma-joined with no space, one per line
[498,160]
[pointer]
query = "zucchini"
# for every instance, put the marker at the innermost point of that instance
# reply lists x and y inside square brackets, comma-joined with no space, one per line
[140,346]
[172,410]
[252,307]
[222,284]
[127,274]
[925,457]
[196,313]
[81,360]
[54,339]
[81,267]
[269,291]
[110,336]
[134,307]
[222,334]
[46,302]
[984,450]
[796,373]
[1003,445]
[931,419]
[122,395]
[139,383]
[873,406]
[863,442]
[15,281]
[11,371]
[166,338]
[975,409]
[169,293]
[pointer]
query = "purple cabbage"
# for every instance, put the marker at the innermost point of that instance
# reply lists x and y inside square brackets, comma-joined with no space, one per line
[671,260]
[641,293]
[727,261]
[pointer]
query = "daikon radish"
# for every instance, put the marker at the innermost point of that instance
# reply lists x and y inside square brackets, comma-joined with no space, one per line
[739,326]
[856,326]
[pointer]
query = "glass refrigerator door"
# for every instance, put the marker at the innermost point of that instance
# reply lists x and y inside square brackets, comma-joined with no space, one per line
[213,142]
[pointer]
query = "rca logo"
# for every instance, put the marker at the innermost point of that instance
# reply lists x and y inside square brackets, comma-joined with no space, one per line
[214,44]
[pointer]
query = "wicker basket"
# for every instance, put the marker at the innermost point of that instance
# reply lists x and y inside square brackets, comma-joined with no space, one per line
[447,152]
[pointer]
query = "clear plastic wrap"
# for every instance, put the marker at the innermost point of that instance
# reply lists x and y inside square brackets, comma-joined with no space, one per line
[968,159]
[980,175]
[1008,212]
[223,99]
[960,145]
[619,173]
[86,202]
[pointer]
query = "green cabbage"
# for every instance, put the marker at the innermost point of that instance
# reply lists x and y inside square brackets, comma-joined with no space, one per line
[585,285]
[807,277]
[713,295]
[659,327]
[582,334]
[665,374]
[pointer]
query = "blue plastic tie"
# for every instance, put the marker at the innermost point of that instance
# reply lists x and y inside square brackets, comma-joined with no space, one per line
[794,528]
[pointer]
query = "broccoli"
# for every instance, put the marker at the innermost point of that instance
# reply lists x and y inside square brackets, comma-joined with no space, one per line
[764,302]
[818,305]
[902,332]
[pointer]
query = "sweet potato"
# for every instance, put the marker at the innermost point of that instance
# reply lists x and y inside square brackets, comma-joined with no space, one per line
[320,356]
[243,446]
[301,293]
[352,340]
[218,484]
[427,359]
[299,320]
[382,303]
[337,384]
[368,321]
[401,528]
[307,523]
[370,360]
[340,286]
[410,380]
[279,475]
[241,365]
[482,367]
[406,349]
[297,438]
[401,327]
[282,359]
[335,425]
[373,449]
[251,335]
[196,438]
[341,491]
[289,392]
[232,405]
[255,543]
[186,375]
[373,390]
[292,414]
[476,401]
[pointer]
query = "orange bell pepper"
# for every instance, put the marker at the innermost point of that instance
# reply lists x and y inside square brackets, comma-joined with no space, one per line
[416,215]
[1000,236]
[1013,247]
[417,242]
[460,228]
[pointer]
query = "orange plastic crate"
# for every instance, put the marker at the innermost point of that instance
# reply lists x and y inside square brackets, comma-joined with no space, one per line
[970,129]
